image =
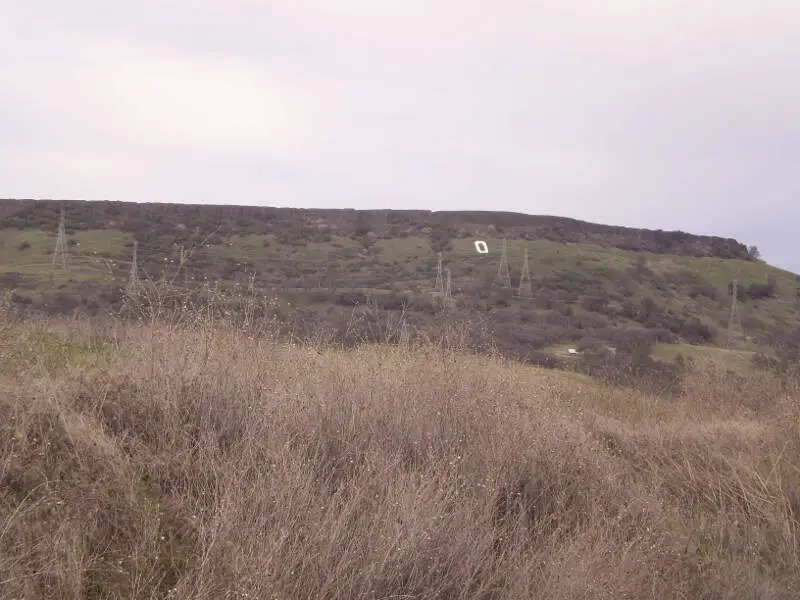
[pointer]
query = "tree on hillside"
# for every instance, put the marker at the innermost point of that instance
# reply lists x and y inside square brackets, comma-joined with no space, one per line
[753,253]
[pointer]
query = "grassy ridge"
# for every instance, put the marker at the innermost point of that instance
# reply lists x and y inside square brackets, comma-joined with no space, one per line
[199,461]
[264,253]
[591,284]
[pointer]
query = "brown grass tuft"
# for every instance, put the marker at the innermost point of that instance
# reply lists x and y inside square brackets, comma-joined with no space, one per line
[146,461]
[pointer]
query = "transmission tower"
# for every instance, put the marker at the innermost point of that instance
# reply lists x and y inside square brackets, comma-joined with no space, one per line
[502,271]
[525,279]
[735,329]
[438,287]
[404,334]
[447,284]
[133,280]
[61,243]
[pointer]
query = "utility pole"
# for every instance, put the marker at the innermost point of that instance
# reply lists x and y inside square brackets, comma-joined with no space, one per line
[133,280]
[502,271]
[332,273]
[61,243]
[439,284]
[324,274]
[444,297]
[735,329]
[525,279]
[404,334]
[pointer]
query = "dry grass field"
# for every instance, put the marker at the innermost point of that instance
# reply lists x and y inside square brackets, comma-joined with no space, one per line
[149,461]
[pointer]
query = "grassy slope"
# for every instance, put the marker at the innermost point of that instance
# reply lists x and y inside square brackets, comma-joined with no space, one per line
[137,460]
[402,264]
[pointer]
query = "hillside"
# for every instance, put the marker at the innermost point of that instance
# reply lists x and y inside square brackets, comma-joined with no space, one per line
[363,273]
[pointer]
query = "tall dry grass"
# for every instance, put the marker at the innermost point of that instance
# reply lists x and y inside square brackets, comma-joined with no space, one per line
[196,461]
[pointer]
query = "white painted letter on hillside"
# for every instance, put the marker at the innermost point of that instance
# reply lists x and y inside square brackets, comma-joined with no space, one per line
[481,247]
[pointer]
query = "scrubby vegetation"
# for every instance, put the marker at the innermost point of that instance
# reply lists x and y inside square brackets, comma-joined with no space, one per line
[158,220]
[589,283]
[190,453]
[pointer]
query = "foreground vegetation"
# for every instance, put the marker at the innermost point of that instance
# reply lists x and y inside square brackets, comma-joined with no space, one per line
[204,461]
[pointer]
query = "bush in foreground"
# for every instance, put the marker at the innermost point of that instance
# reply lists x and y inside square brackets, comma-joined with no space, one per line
[199,462]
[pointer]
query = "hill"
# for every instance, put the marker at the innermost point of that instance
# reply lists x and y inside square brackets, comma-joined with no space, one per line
[364,274]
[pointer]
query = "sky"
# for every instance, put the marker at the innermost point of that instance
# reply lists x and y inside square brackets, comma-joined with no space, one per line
[663,114]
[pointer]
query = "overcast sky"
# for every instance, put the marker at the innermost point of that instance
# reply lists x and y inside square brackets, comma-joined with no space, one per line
[654,113]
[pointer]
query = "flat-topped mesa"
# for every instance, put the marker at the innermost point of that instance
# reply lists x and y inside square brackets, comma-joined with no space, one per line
[230,220]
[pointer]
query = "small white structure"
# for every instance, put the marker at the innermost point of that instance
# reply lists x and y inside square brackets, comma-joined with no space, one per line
[572,350]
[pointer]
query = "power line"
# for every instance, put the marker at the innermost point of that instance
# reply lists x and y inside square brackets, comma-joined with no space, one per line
[438,285]
[61,243]
[735,328]
[133,280]
[524,288]
[404,333]
[502,271]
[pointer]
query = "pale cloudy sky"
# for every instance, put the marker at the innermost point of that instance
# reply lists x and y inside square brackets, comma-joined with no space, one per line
[657,113]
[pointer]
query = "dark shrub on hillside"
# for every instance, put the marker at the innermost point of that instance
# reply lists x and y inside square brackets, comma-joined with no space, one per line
[58,304]
[20,299]
[741,292]
[399,301]
[640,270]
[728,248]
[683,276]
[510,336]
[588,321]
[393,301]
[546,299]
[765,362]
[752,323]
[668,320]
[589,343]
[351,299]
[321,296]
[294,236]
[111,295]
[502,297]
[703,289]
[628,310]
[555,318]
[633,366]
[214,239]
[441,238]
[596,304]
[695,331]
[570,281]
[542,359]
[14,279]
[787,363]
[647,310]
[627,338]
[757,291]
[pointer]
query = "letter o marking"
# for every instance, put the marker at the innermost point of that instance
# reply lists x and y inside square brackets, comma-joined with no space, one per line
[481,247]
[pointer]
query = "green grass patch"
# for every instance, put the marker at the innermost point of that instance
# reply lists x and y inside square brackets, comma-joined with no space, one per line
[403,249]
[733,358]
[544,256]
[108,243]
[30,252]
[264,252]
